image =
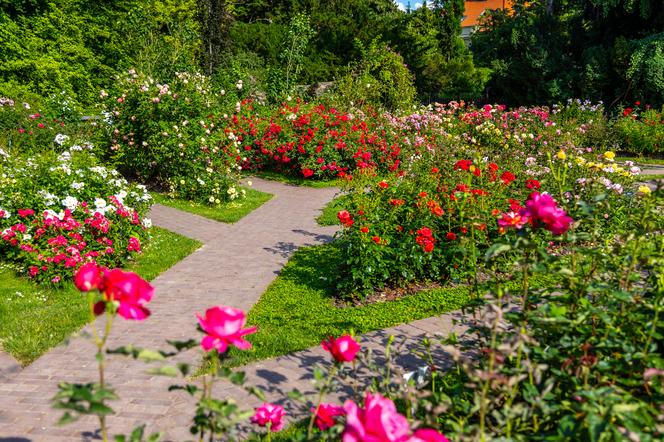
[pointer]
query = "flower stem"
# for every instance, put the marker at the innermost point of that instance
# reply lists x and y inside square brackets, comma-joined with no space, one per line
[321,395]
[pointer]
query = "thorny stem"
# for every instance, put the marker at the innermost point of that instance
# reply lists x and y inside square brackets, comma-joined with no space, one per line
[100,342]
[485,387]
[321,395]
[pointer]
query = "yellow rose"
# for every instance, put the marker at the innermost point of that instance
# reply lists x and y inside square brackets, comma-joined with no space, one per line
[644,190]
[609,155]
[561,155]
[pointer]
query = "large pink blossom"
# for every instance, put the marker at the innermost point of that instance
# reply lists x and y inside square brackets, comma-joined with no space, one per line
[269,414]
[343,348]
[223,326]
[88,277]
[378,421]
[542,208]
[428,435]
[130,291]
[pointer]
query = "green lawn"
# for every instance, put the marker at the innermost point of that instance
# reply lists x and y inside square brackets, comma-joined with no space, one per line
[297,312]
[641,160]
[294,180]
[34,319]
[656,176]
[229,212]
[329,215]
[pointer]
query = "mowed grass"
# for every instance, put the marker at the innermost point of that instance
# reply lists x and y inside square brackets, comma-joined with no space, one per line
[228,212]
[295,180]
[641,160]
[34,319]
[328,217]
[297,311]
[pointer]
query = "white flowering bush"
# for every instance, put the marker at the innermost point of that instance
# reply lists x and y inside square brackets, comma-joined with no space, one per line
[167,135]
[59,211]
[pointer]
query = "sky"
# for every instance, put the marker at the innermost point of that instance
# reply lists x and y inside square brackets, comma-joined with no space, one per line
[414,4]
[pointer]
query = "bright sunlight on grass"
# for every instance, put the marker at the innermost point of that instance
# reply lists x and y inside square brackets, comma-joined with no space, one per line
[228,212]
[35,318]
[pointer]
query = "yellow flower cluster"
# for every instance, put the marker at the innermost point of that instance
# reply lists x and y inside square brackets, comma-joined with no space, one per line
[603,167]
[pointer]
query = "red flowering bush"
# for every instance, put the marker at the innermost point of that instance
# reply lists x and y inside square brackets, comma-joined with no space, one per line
[641,131]
[429,224]
[313,141]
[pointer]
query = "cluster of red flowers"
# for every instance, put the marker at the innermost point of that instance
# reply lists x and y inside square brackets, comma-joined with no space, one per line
[53,246]
[312,141]
[425,239]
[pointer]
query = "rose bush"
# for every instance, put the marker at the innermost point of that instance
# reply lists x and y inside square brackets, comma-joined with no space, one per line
[58,212]
[576,359]
[641,131]
[168,136]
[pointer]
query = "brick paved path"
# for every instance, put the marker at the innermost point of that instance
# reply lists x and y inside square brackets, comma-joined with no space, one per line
[234,267]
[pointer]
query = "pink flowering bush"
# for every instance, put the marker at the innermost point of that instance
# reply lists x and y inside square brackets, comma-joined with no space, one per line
[58,212]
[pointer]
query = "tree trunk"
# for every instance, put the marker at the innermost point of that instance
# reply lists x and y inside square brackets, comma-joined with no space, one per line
[215,22]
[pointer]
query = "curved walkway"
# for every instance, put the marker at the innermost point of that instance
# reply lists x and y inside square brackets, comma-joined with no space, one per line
[234,267]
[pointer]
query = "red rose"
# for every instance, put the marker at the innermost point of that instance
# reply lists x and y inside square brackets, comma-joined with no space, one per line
[342,349]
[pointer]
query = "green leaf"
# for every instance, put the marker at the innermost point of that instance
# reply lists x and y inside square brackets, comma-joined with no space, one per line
[167,370]
[149,355]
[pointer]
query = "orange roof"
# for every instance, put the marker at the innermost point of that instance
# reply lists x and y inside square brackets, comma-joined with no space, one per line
[475,8]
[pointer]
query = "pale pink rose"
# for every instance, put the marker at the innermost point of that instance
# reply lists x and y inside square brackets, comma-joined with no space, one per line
[223,326]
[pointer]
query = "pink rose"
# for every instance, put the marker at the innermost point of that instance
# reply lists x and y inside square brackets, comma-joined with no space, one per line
[428,435]
[269,414]
[223,326]
[88,277]
[377,422]
[343,348]
[542,208]
[325,417]
[130,291]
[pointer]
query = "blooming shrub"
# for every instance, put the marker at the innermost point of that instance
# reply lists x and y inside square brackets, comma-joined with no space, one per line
[167,135]
[58,212]
[641,131]
[312,141]
[576,359]
[26,129]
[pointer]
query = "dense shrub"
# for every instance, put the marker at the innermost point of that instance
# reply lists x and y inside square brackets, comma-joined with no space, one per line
[314,141]
[60,211]
[166,134]
[379,79]
[434,217]
[640,131]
